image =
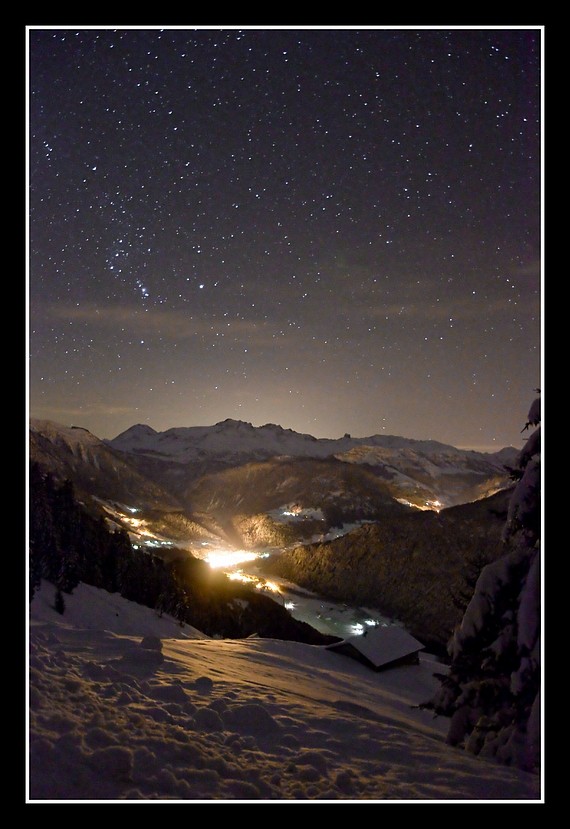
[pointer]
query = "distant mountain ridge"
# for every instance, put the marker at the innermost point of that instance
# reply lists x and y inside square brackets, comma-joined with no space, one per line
[188,443]
[238,482]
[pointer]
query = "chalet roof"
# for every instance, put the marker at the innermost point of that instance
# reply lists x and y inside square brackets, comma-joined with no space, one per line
[379,645]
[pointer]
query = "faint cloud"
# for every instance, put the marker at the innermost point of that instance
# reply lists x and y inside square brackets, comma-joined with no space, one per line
[95,409]
[457,309]
[166,324]
[533,268]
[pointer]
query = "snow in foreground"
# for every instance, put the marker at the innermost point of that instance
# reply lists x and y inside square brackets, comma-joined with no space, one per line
[128,706]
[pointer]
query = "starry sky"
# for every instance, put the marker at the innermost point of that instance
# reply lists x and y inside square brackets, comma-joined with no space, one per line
[337,230]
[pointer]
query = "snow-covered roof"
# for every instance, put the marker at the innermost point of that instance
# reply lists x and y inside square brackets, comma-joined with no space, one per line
[381,645]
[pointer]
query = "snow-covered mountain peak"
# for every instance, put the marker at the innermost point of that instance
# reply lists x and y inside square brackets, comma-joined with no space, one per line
[72,435]
[236,437]
[137,432]
[235,425]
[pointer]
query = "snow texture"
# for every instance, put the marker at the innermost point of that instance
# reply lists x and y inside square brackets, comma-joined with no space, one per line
[125,705]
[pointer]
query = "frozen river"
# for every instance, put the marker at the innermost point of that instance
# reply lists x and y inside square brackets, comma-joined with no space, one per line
[326,616]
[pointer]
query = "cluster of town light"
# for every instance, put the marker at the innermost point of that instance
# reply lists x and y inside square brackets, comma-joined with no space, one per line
[260,584]
[434,506]
[358,629]
[138,526]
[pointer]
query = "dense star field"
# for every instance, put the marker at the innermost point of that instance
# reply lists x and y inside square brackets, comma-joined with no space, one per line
[336,230]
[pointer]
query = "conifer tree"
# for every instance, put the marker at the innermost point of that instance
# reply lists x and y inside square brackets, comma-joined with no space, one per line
[59,603]
[492,689]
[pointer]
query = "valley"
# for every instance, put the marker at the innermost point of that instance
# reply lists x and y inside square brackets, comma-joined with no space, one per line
[390,528]
[246,566]
[326,616]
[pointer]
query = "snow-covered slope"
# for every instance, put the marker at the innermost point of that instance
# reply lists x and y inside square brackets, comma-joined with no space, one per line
[93,466]
[126,706]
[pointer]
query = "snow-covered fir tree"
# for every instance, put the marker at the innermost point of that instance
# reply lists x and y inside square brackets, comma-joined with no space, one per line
[492,690]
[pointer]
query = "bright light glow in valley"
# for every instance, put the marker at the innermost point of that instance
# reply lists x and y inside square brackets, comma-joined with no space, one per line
[229,558]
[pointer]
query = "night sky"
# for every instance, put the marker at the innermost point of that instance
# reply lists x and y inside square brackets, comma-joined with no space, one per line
[334,230]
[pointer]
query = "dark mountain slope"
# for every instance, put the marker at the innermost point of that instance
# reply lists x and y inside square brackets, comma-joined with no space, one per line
[68,546]
[94,467]
[340,491]
[419,567]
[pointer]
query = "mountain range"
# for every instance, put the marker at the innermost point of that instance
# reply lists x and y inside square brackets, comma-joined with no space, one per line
[253,486]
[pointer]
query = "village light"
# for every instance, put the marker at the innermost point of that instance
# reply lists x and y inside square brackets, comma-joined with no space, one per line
[270,585]
[239,576]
